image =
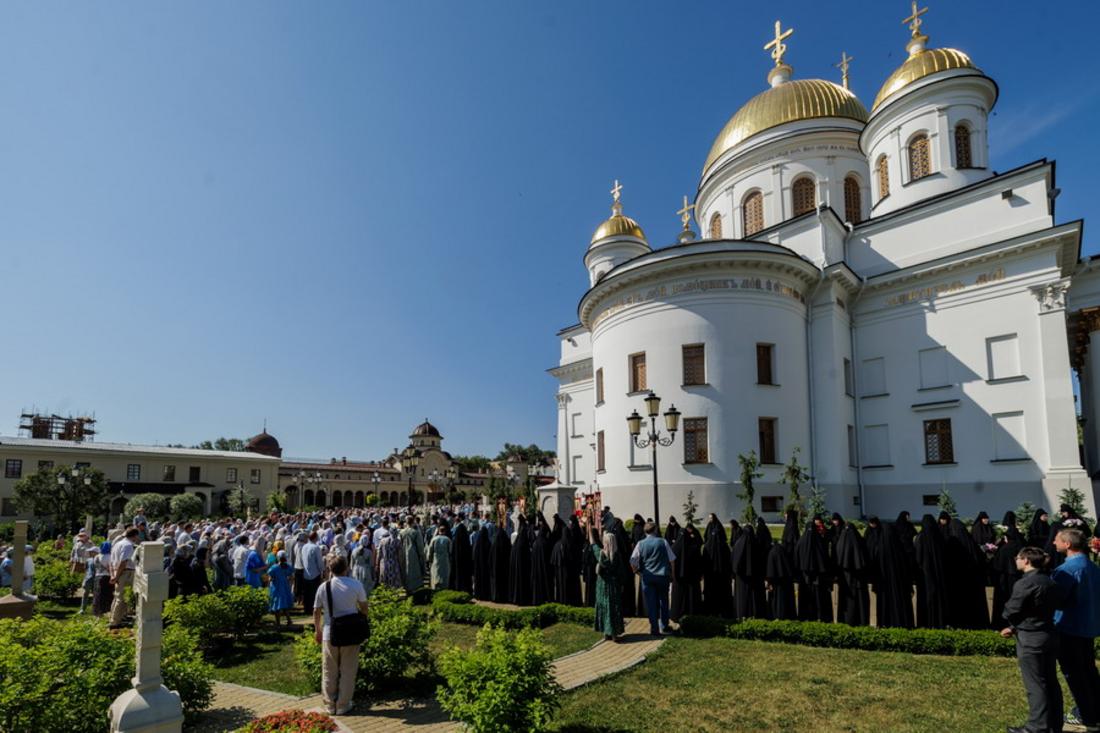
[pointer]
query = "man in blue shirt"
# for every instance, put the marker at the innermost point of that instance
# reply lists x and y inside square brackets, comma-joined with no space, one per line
[653,558]
[1078,624]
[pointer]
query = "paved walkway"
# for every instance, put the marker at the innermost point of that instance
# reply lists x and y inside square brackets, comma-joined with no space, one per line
[235,705]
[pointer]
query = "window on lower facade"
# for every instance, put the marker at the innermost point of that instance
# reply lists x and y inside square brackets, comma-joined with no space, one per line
[767,430]
[7,507]
[133,472]
[771,504]
[938,447]
[694,365]
[600,457]
[637,372]
[930,500]
[45,465]
[13,468]
[194,474]
[231,475]
[255,478]
[764,356]
[169,473]
[695,440]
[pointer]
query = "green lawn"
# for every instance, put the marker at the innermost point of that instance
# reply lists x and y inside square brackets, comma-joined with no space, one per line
[267,660]
[727,684]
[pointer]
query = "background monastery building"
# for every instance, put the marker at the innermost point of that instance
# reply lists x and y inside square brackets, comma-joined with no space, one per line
[866,291]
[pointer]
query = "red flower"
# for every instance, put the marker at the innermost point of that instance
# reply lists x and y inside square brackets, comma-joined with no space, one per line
[291,721]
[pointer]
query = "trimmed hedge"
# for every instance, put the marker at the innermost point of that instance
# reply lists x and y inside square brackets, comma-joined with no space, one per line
[459,608]
[946,642]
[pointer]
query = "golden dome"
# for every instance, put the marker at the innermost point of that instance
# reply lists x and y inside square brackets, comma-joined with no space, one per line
[618,226]
[790,101]
[919,65]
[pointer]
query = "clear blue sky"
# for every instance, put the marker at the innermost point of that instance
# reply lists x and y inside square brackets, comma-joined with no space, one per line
[347,216]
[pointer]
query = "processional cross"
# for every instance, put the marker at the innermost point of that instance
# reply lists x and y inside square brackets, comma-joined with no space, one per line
[778,48]
[914,20]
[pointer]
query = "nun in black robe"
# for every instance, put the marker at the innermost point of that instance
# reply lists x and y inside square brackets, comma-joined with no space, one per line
[672,535]
[872,538]
[589,570]
[812,560]
[853,570]
[541,579]
[780,573]
[1039,531]
[894,586]
[637,534]
[688,569]
[931,555]
[743,564]
[1003,569]
[483,561]
[567,572]
[627,578]
[761,546]
[462,560]
[519,565]
[966,578]
[717,572]
[982,531]
[501,555]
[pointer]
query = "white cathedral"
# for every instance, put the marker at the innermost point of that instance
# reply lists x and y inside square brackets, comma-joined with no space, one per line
[867,293]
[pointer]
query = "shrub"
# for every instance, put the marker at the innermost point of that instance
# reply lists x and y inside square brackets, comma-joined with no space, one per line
[185,506]
[217,617]
[184,670]
[55,580]
[291,721]
[64,675]
[397,648]
[155,505]
[505,682]
[457,607]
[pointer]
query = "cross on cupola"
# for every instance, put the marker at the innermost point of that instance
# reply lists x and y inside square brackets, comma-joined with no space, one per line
[616,195]
[782,72]
[686,235]
[845,62]
[917,40]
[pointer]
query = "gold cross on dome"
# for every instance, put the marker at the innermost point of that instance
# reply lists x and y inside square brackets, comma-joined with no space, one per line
[685,213]
[776,45]
[914,20]
[845,60]
[616,190]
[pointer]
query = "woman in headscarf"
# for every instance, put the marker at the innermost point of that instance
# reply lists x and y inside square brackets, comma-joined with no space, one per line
[567,578]
[519,566]
[462,560]
[762,546]
[439,559]
[982,531]
[812,560]
[624,548]
[853,566]
[894,580]
[179,573]
[389,560]
[280,597]
[483,560]
[609,615]
[637,534]
[104,593]
[501,551]
[688,569]
[931,555]
[717,573]
[200,582]
[780,573]
[966,579]
[362,561]
[541,580]
[1039,531]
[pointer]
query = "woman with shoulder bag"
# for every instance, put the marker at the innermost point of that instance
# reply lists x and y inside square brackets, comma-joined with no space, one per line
[340,627]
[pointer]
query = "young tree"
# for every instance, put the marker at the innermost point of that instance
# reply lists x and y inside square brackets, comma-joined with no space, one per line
[817,501]
[1075,500]
[690,507]
[794,475]
[56,492]
[947,504]
[750,471]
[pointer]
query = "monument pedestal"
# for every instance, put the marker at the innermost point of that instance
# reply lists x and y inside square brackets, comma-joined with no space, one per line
[556,499]
[157,710]
[16,607]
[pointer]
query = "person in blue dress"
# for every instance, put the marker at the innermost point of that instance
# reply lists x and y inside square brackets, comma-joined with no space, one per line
[254,565]
[279,593]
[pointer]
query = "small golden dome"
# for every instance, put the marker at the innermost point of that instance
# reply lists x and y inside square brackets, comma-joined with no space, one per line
[618,226]
[923,63]
[790,101]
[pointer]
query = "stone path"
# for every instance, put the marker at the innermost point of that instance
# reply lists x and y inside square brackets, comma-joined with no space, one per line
[235,705]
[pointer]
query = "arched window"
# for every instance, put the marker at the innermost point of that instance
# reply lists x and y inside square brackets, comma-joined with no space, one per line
[321,498]
[752,213]
[307,498]
[963,159]
[853,206]
[358,499]
[883,177]
[337,498]
[803,197]
[920,161]
[384,498]
[716,226]
[347,498]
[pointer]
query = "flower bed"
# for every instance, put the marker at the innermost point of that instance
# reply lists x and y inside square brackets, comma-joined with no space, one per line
[291,721]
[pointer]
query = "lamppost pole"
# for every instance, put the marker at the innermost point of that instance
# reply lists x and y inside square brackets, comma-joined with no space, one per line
[375,480]
[653,438]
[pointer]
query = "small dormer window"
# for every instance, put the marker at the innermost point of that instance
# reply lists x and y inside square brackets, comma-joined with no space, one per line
[716,226]
[853,204]
[752,213]
[882,168]
[963,158]
[803,196]
[920,161]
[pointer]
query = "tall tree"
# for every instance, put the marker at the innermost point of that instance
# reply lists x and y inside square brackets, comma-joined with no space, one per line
[56,492]
[229,444]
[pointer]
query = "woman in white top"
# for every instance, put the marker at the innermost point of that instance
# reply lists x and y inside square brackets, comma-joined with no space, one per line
[339,664]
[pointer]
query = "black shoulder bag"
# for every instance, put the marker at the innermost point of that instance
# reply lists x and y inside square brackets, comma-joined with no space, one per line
[350,630]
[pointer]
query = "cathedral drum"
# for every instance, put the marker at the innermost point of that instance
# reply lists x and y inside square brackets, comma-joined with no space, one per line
[719,330]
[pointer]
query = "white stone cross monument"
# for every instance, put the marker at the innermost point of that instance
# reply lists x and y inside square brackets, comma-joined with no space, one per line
[17,605]
[149,707]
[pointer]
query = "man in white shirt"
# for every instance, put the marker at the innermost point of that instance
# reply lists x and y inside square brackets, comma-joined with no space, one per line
[122,575]
[312,567]
[339,664]
[240,559]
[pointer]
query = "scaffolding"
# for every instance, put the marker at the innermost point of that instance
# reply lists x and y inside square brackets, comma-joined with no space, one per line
[56,427]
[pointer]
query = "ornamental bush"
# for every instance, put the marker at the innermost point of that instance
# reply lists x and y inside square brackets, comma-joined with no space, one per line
[155,506]
[505,682]
[458,607]
[397,649]
[184,506]
[55,580]
[291,721]
[63,676]
[220,617]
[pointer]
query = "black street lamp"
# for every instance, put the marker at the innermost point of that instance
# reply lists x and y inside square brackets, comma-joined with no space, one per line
[653,438]
[411,458]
